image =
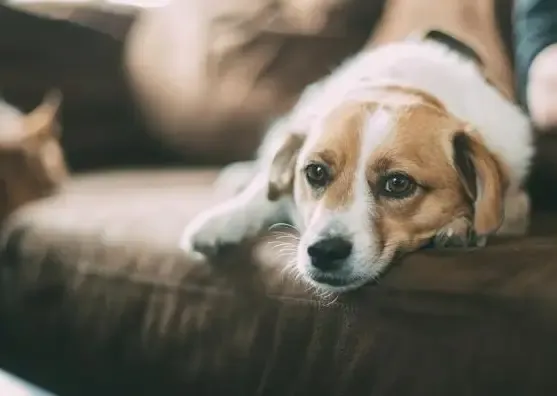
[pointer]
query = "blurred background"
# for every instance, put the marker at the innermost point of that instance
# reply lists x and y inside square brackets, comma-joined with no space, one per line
[96,299]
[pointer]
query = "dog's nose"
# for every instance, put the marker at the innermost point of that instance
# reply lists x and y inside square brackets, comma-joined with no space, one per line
[328,254]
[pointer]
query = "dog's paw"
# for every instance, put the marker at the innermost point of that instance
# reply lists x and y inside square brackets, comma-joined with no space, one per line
[211,231]
[458,234]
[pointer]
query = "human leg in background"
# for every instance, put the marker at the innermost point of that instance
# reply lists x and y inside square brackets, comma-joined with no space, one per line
[210,74]
[535,29]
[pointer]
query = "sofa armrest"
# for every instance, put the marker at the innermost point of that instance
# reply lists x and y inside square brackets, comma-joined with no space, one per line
[148,322]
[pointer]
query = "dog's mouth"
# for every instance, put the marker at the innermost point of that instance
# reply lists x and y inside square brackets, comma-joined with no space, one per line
[337,283]
[330,280]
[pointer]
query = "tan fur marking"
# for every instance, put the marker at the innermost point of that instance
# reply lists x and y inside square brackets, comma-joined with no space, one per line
[419,149]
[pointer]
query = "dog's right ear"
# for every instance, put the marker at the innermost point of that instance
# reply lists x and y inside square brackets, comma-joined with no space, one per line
[483,178]
[281,173]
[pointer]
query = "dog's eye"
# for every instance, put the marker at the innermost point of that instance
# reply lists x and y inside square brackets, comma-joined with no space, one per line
[317,175]
[398,185]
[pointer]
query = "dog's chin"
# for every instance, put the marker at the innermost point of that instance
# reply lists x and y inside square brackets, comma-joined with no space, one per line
[336,284]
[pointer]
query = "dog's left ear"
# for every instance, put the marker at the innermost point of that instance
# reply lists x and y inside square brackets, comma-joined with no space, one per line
[281,173]
[483,178]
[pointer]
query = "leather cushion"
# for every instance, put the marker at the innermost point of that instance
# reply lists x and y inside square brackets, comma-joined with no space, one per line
[96,299]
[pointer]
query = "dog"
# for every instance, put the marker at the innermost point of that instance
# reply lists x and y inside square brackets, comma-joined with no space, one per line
[403,145]
[32,160]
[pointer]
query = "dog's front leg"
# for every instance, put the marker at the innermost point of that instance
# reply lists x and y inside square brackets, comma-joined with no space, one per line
[235,220]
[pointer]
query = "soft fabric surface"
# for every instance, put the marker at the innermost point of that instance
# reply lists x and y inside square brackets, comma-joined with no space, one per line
[95,299]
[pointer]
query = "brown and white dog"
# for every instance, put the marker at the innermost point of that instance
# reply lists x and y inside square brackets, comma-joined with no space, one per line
[402,145]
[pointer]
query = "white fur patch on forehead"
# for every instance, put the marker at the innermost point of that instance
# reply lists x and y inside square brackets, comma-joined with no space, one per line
[376,129]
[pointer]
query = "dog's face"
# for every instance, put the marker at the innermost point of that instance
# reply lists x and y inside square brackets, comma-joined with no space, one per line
[376,179]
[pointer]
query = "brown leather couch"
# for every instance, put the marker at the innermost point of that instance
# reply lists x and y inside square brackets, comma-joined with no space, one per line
[95,298]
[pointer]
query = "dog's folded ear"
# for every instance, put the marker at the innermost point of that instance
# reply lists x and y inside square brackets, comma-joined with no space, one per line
[281,172]
[483,178]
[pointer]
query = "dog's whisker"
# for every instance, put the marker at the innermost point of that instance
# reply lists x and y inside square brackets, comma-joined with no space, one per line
[276,225]
[275,246]
[330,300]
[275,232]
[289,269]
[333,301]
[284,244]
[288,236]
[291,226]
[288,273]
[288,250]
[283,225]
[285,254]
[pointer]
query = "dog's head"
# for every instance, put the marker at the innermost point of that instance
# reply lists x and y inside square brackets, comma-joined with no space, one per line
[377,178]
